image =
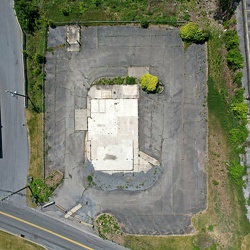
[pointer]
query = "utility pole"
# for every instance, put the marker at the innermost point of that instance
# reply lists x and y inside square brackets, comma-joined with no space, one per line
[14,93]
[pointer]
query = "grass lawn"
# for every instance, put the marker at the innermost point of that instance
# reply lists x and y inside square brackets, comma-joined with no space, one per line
[12,242]
[112,10]
[34,121]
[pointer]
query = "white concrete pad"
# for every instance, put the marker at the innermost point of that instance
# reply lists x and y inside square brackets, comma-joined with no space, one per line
[130,91]
[112,139]
[106,94]
[81,119]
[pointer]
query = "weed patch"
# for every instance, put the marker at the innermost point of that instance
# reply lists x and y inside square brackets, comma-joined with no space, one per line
[108,227]
[43,189]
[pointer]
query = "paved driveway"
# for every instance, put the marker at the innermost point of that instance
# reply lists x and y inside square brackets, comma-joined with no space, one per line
[172,127]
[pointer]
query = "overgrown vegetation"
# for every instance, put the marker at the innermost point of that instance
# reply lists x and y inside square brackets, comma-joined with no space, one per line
[116,81]
[108,227]
[28,14]
[149,82]
[191,32]
[226,9]
[42,189]
[130,10]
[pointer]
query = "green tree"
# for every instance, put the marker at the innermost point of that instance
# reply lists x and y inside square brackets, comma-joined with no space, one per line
[27,13]
[231,39]
[191,32]
[149,82]
[235,59]
[236,172]
[240,110]
[39,58]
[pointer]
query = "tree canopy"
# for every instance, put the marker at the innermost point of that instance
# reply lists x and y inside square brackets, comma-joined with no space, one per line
[191,32]
[149,82]
[27,13]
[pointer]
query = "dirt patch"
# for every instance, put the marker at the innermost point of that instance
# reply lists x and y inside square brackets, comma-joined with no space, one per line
[54,179]
[34,126]
[246,242]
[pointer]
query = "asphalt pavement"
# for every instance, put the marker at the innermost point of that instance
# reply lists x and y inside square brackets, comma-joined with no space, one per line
[14,142]
[172,127]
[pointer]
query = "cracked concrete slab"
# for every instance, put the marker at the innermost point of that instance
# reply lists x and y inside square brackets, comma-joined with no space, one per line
[172,127]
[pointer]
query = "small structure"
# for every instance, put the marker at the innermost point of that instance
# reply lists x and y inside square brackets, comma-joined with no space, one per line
[73,38]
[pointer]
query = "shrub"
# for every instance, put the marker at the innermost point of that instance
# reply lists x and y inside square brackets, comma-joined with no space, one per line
[27,13]
[228,23]
[90,178]
[144,24]
[231,39]
[238,135]
[37,71]
[236,172]
[237,78]
[238,96]
[65,11]
[40,190]
[235,59]
[39,58]
[97,3]
[240,110]
[149,82]
[119,80]
[192,33]
[130,80]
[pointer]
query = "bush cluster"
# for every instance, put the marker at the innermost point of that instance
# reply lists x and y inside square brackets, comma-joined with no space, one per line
[234,58]
[40,190]
[116,81]
[238,78]
[27,13]
[191,32]
[107,226]
[238,134]
[236,172]
[149,82]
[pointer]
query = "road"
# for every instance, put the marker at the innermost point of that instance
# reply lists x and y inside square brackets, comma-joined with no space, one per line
[51,233]
[13,136]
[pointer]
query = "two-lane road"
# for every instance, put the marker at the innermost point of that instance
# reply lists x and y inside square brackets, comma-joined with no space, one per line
[13,135]
[51,233]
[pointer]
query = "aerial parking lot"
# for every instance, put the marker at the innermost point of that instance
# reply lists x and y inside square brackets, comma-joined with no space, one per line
[167,131]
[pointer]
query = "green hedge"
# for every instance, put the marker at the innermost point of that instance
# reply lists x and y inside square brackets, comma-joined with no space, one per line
[149,82]
[191,32]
